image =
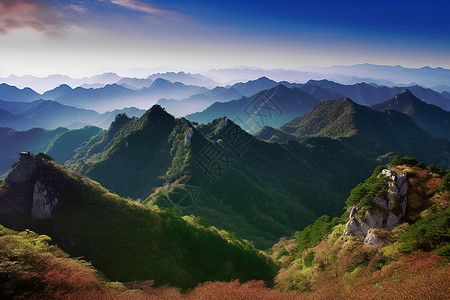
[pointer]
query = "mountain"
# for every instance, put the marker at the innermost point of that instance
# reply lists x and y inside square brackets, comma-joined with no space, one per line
[318,92]
[429,117]
[223,94]
[266,108]
[54,114]
[185,78]
[135,83]
[355,256]
[106,98]
[167,89]
[268,133]
[371,132]
[52,81]
[62,148]
[121,238]
[368,94]
[59,143]
[8,119]
[57,92]
[18,107]
[14,94]
[198,102]
[252,87]
[130,142]
[249,188]
[446,94]
[183,107]
[13,142]
[104,120]
[51,114]
[113,96]
[398,75]
[390,229]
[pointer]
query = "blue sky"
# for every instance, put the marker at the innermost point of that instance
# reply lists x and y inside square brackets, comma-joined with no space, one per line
[78,37]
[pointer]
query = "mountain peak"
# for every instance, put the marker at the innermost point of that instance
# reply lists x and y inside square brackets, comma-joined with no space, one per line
[405,97]
[156,115]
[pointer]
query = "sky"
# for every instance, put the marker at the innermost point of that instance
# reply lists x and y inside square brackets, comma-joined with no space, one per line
[82,38]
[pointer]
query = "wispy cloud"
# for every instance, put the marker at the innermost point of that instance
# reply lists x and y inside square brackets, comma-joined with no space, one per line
[78,8]
[140,6]
[35,14]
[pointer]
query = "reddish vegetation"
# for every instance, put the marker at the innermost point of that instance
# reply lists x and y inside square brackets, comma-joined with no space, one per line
[418,276]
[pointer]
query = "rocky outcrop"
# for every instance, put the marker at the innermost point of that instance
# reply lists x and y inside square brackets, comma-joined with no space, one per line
[25,170]
[188,137]
[45,200]
[31,176]
[385,213]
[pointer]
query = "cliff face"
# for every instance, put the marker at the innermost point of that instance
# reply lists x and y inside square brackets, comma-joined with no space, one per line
[385,212]
[34,189]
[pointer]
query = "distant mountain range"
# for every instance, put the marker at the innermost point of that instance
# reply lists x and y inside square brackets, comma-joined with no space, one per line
[50,82]
[51,114]
[368,94]
[397,75]
[249,109]
[377,74]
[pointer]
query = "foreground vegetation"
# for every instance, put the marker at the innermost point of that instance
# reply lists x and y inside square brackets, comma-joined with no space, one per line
[411,264]
[160,254]
[127,241]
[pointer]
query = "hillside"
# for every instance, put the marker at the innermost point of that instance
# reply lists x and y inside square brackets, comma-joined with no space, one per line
[151,144]
[395,242]
[8,119]
[369,131]
[396,247]
[87,220]
[429,117]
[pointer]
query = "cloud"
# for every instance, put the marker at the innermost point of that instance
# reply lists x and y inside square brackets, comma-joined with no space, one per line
[35,14]
[140,6]
[78,8]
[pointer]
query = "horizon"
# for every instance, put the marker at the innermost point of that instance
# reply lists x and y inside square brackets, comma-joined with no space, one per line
[162,70]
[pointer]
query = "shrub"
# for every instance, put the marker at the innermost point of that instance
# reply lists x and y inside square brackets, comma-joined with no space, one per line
[44,156]
[428,233]
[373,186]
[406,160]
[445,183]
[309,259]
[314,233]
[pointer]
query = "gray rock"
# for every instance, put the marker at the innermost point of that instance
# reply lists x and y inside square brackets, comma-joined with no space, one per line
[356,226]
[44,201]
[373,239]
[188,137]
[382,216]
[25,170]
[375,221]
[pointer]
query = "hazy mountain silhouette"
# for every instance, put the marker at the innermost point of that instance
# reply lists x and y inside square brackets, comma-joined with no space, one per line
[12,93]
[432,118]
[266,108]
